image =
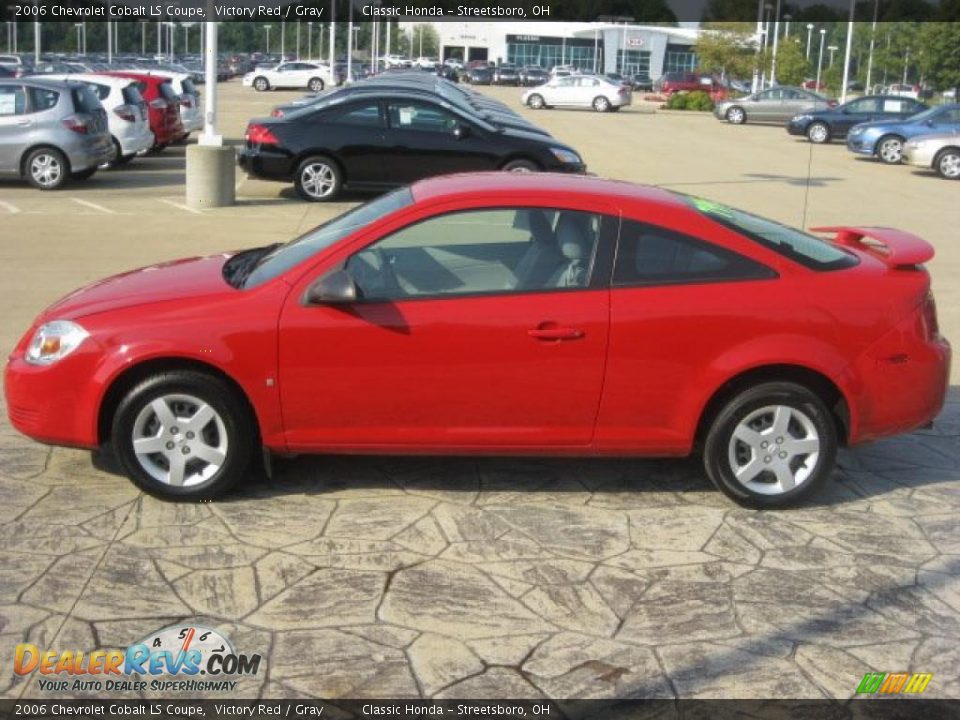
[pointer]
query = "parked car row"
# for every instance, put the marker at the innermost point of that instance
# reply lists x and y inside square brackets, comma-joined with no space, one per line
[60,127]
[394,129]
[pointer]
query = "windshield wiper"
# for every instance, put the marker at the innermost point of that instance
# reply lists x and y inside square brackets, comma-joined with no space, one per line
[238,268]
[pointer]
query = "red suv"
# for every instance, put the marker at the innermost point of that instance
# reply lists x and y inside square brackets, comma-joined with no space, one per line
[164,105]
[672,82]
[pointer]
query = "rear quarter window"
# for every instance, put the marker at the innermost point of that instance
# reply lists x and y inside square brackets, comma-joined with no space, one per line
[188,87]
[807,250]
[43,99]
[167,91]
[85,99]
[102,91]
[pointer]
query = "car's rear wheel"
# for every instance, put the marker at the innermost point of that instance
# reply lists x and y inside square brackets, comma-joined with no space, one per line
[183,435]
[736,115]
[601,104]
[47,169]
[315,85]
[947,163]
[890,149]
[536,102]
[521,166]
[818,133]
[318,179]
[772,445]
[261,83]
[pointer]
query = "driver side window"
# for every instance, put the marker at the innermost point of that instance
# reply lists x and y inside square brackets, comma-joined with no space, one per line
[490,251]
[421,117]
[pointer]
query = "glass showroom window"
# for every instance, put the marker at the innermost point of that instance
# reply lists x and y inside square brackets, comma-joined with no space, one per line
[677,61]
[633,62]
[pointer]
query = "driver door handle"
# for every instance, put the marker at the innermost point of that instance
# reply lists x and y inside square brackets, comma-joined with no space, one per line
[549,331]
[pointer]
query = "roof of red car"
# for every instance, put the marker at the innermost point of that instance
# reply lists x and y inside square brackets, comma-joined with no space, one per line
[518,184]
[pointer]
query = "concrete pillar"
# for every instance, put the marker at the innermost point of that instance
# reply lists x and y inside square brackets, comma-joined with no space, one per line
[211,176]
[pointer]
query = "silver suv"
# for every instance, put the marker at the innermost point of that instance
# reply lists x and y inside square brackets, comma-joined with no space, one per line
[51,132]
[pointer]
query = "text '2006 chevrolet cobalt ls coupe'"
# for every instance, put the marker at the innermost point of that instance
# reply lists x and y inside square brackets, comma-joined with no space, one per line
[504,314]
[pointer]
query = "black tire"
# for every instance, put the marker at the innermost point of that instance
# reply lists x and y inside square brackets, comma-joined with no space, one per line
[124,159]
[721,451]
[325,168]
[947,163]
[47,169]
[237,423]
[84,174]
[117,154]
[521,165]
[889,149]
[601,104]
[315,85]
[736,115]
[261,84]
[536,102]
[157,149]
[818,132]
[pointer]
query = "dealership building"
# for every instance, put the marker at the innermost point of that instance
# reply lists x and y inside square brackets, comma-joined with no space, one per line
[629,49]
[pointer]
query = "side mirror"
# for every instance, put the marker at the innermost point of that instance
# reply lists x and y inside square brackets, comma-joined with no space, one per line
[461,131]
[334,288]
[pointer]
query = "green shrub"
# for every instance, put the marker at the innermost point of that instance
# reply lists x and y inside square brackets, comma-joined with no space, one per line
[677,101]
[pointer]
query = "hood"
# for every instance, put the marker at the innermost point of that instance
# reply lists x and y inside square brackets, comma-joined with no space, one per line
[524,135]
[184,280]
[883,123]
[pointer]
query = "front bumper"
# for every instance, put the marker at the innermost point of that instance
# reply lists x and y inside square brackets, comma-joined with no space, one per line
[860,144]
[796,128]
[917,156]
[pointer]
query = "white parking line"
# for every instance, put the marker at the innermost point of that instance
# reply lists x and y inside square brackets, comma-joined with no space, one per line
[9,207]
[180,206]
[94,206]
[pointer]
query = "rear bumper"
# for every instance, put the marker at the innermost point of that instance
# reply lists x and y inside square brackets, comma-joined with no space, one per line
[91,151]
[136,140]
[266,164]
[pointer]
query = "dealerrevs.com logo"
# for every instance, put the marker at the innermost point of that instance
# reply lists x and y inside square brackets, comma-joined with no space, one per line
[880,683]
[171,659]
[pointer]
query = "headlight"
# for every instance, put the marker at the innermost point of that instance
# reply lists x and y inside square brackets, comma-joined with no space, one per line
[801,118]
[565,156]
[53,341]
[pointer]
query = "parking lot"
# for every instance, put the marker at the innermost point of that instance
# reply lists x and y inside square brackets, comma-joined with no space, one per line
[407,577]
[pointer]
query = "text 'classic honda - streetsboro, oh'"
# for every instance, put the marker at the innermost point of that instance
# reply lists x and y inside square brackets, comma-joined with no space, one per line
[502,314]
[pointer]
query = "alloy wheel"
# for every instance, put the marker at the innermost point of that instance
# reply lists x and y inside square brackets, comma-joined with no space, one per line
[774,449]
[318,179]
[536,102]
[949,165]
[891,150]
[179,440]
[601,104]
[735,116]
[818,133]
[46,170]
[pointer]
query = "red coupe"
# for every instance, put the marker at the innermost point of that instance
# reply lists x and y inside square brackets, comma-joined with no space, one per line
[505,314]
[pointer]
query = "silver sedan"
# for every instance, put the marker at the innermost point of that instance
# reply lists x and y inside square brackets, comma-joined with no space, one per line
[940,152]
[775,105]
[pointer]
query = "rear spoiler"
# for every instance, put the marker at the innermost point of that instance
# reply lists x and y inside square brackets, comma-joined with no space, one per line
[895,247]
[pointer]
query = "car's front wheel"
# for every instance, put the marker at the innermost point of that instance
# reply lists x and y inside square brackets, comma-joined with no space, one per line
[818,133]
[601,104]
[736,116]
[947,164]
[536,102]
[521,166]
[890,149]
[318,179]
[771,446]
[183,435]
[47,169]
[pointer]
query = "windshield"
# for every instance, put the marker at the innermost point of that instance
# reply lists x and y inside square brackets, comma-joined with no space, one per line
[284,257]
[800,247]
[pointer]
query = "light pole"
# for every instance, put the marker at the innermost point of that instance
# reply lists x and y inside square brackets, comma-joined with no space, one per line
[143,37]
[846,54]
[309,39]
[809,34]
[823,34]
[267,28]
[873,34]
[77,26]
[786,26]
[776,41]
[283,41]
[298,39]
[159,39]
[109,42]
[767,7]
[36,41]
[186,38]
[832,49]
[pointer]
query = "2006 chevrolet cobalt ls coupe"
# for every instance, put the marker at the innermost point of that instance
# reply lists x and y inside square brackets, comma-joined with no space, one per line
[505,314]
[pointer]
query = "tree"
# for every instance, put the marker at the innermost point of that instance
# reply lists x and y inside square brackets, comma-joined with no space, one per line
[792,66]
[727,48]
[939,60]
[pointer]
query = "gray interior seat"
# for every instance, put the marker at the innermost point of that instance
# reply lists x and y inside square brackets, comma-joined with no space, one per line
[575,240]
[541,260]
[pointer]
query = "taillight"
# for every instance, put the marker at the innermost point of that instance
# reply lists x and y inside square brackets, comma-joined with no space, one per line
[930,316]
[277,112]
[126,112]
[158,104]
[186,101]
[76,123]
[261,135]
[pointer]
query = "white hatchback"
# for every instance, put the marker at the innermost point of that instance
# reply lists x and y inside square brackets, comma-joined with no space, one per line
[294,74]
[579,91]
[128,118]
